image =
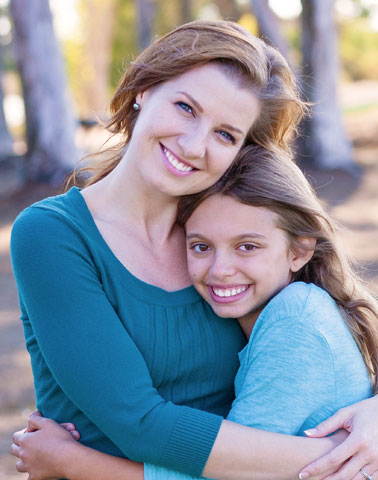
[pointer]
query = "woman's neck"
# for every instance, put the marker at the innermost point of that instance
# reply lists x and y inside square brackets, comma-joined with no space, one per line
[122,198]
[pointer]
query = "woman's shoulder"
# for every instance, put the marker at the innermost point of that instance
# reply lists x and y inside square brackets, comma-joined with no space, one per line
[50,213]
[50,222]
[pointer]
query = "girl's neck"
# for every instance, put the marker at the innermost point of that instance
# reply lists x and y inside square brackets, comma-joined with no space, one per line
[247,322]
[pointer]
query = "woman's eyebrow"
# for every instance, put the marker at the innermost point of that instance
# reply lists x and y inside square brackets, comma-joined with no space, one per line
[195,103]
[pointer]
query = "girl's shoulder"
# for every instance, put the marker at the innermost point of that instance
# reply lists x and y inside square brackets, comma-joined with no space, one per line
[301,300]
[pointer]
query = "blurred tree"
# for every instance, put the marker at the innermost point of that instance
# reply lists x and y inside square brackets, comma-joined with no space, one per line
[125,39]
[269,27]
[50,124]
[98,17]
[324,140]
[146,19]
[229,9]
[6,141]
[186,11]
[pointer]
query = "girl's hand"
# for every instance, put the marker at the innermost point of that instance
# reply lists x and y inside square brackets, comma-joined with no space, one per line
[358,451]
[44,449]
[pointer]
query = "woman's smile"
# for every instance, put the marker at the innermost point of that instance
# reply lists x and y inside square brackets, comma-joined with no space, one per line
[176,164]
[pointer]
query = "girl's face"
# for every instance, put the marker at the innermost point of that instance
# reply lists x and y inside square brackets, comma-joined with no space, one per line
[190,129]
[238,259]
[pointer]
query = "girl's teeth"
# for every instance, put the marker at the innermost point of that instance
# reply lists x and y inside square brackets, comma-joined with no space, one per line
[229,292]
[178,165]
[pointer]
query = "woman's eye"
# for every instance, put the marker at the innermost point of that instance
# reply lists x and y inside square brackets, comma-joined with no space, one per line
[247,247]
[227,136]
[200,247]
[184,106]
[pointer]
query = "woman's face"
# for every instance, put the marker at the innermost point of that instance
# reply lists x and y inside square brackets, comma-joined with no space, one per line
[237,257]
[190,129]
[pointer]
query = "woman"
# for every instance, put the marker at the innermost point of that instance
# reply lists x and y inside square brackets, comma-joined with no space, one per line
[111,324]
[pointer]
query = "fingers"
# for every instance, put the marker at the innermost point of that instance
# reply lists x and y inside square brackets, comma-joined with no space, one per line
[339,420]
[70,427]
[15,450]
[34,414]
[36,422]
[17,436]
[20,467]
[331,461]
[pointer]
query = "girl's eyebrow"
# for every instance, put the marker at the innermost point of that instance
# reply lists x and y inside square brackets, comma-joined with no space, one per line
[238,237]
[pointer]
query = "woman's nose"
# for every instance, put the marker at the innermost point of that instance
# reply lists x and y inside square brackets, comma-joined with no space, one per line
[193,143]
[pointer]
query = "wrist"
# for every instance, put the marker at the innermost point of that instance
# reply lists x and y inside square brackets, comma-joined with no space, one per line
[74,454]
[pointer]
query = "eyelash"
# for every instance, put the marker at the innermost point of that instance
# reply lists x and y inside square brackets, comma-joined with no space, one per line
[194,247]
[254,247]
[227,136]
[188,109]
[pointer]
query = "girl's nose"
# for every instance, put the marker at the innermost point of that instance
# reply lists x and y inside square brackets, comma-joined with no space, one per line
[222,267]
[193,143]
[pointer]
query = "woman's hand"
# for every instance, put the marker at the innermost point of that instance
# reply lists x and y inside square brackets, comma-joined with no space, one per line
[358,451]
[45,448]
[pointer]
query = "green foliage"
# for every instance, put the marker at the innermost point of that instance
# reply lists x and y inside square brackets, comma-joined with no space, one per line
[358,50]
[125,40]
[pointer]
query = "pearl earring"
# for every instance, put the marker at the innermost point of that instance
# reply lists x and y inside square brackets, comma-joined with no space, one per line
[136,106]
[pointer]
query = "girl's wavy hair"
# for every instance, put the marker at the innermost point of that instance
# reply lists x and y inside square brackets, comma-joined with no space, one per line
[244,57]
[264,179]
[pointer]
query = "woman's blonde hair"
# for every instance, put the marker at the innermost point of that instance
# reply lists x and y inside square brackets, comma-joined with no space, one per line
[246,58]
[265,179]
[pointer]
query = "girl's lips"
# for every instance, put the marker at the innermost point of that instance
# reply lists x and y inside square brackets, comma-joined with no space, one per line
[175,165]
[229,294]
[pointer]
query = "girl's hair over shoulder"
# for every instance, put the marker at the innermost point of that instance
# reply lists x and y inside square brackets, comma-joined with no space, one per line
[251,62]
[267,179]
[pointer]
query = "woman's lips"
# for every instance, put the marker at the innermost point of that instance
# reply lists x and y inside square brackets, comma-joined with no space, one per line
[176,165]
[227,293]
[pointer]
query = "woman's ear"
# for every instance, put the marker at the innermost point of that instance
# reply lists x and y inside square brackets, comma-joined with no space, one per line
[301,252]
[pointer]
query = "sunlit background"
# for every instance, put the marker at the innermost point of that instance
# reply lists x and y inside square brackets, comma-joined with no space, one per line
[97,38]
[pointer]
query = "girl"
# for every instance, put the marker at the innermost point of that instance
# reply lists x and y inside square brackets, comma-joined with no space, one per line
[119,341]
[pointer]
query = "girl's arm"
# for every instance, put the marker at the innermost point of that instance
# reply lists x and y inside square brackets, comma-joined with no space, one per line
[51,452]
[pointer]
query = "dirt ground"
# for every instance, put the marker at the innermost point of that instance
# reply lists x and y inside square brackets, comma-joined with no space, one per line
[353,200]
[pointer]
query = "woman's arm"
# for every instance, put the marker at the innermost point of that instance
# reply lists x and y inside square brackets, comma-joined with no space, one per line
[51,452]
[361,446]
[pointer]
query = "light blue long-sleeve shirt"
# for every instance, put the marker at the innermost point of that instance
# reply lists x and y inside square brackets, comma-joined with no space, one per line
[300,366]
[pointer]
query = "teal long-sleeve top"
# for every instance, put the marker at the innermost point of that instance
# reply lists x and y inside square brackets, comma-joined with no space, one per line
[142,372]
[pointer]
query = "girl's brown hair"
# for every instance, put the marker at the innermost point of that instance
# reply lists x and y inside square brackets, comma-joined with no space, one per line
[264,179]
[243,56]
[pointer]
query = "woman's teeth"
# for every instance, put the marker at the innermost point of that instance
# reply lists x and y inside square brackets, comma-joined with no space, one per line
[175,163]
[229,292]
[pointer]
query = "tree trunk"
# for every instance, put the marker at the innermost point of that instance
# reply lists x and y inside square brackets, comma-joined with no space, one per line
[269,28]
[6,141]
[99,21]
[324,140]
[146,17]
[50,123]
[186,13]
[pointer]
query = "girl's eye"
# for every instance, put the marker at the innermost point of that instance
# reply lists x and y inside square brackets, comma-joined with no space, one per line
[184,106]
[247,247]
[200,247]
[227,136]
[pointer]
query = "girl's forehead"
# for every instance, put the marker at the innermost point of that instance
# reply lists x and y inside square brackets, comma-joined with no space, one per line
[228,215]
